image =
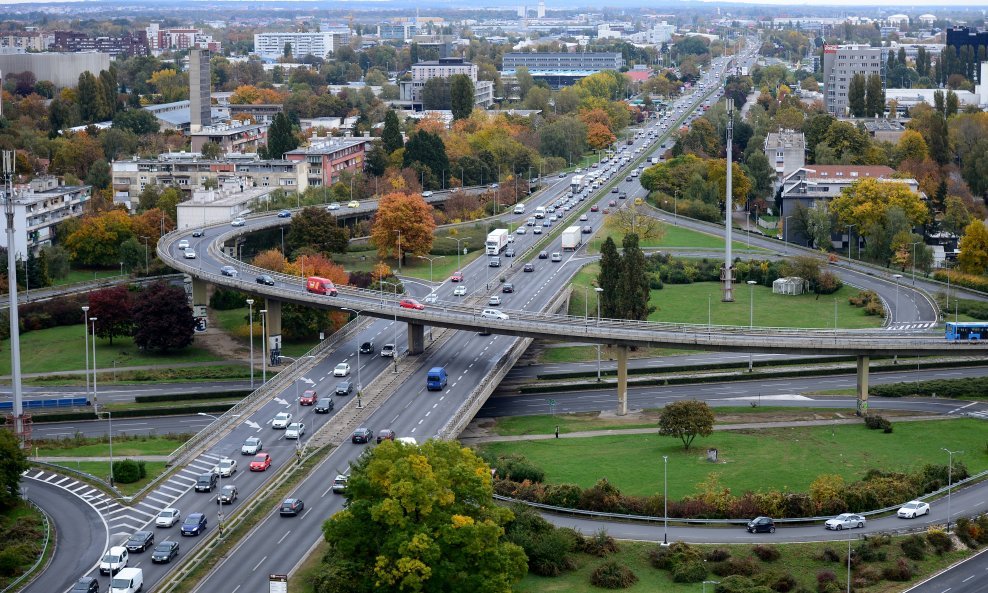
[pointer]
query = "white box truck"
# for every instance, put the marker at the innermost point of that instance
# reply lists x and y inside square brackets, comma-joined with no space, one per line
[572,237]
[576,184]
[497,240]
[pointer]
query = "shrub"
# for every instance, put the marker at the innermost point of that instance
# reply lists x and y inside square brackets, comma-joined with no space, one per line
[781,583]
[735,566]
[660,557]
[765,553]
[692,571]
[599,544]
[611,575]
[829,555]
[865,552]
[901,571]
[828,283]
[867,576]
[876,422]
[226,299]
[563,495]
[126,471]
[718,555]
[826,581]
[913,547]
[549,553]
[940,541]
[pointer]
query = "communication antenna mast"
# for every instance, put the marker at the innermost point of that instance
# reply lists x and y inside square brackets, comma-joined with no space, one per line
[20,421]
[727,270]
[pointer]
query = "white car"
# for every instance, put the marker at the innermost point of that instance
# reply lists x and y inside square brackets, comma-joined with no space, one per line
[494,300]
[494,314]
[114,560]
[238,221]
[333,206]
[252,446]
[341,370]
[167,517]
[190,254]
[183,244]
[521,231]
[460,290]
[281,420]
[295,430]
[227,467]
[427,194]
[913,509]
[845,521]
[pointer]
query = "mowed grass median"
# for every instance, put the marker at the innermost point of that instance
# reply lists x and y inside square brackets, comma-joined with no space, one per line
[756,459]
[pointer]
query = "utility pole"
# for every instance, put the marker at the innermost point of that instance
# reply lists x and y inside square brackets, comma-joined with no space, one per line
[727,271]
[9,162]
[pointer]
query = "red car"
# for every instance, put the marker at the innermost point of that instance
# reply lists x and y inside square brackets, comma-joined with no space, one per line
[261,462]
[612,203]
[456,277]
[593,208]
[308,398]
[411,304]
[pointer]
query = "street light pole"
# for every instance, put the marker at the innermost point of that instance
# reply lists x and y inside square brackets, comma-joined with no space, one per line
[264,347]
[431,259]
[914,244]
[356,314]
[145,255]
[895,312]
[395,351]
[458,268]
[950,479]
[250,322]
[849,227]
[785,224]
[751,316]
[665,500]
[85,337]
[399,251]
[598,290]
[109,415]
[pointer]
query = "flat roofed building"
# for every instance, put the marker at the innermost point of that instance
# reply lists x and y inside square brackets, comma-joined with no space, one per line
[840,64]
[327,158]
[271,46]
[38,207]
[235,136]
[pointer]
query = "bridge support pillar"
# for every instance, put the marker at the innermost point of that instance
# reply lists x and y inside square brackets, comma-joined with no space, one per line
[622,380]
[200,300]
[272,324]
[862,385]
[416,338]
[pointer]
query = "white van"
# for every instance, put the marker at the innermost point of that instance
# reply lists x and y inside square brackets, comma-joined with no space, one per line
[406,440]
[114,560]
[519,208]
[128,580]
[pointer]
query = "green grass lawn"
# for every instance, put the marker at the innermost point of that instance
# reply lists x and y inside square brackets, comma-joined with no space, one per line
[752,460]
[75,276]
[234,323]
[415,267]
[101,469]
[687,303]
[673,237]
[121,448]
[61,349]
[800,560]
[565,354]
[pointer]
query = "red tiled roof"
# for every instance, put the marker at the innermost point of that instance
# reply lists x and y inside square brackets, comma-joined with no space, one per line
[639,75]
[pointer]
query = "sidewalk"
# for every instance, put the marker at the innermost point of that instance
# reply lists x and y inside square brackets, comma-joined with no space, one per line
[488,438]
[143,367]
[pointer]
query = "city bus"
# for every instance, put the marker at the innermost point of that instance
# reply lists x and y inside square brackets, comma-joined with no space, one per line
[967,330]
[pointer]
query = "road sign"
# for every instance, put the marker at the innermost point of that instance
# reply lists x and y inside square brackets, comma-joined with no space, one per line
[277,583]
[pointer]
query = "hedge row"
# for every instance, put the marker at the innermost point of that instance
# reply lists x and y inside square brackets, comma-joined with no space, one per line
[660,381]
[961,279]
[178,397]
[876,490]
[971,387]
[73,416]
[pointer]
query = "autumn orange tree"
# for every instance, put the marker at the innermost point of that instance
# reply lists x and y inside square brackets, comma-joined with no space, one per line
[317,264]
[271,259]
[409,214]
[599,136]
[302,322]
[251,95]
[151,224]
[97,240]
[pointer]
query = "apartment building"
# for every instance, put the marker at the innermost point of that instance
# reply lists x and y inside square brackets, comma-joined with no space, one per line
[398,31]
[271,46]
[135,44]
[23,41]
[164,39]
[233,137]
[786,152]
[327,158]
[38,207]
[410,91]
[560,69]
[840,64]
[188,171]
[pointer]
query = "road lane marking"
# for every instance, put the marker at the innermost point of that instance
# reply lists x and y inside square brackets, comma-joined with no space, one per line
[259,562]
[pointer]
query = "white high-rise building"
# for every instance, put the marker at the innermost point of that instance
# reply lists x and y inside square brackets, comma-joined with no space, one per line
[541,13]
[271,46]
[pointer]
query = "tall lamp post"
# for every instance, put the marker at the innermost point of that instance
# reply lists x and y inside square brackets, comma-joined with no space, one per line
[399,249]
[264,346]
[895,313]
[950,479]
[145,255]
[849,227]
[914,244]
[360,386]
[250,321]
[395,351]
[665,500]
[458,250]
[109,415]
[598,290]
[85,336]
[785,224]
[431,259]
[751,316]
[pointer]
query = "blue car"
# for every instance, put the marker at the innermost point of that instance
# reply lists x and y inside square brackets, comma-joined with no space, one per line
[284,214]
[195,523]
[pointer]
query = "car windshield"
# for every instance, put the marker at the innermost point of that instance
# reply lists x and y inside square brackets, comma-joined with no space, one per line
[251,442]
[293,426]
[119,583]
[282,416]
[167,513]
[911,505]
[191,520]
[163,547]
[111,558]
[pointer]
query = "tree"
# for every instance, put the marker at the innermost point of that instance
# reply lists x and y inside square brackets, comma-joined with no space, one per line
[956,216]
[686,420]
[99,175]
[866,201]
[819,225]
[525,81]
[973,258]
[563,137]
[461,96]
[391,135]
[58,261]
[162,318]
[760,173]
[281,137]
[856,95]
[408,213]
[420,519]
[428,149]
[634,219]
[112,309]
[211,151]
[974,168]
[96,241]
[911,146]
[376,162]
[435,94]
[633,286]
[608,279]
[92,100]
[874,96]
[316,228]
[13,463]
[599,136]
[138,121]
[271,259]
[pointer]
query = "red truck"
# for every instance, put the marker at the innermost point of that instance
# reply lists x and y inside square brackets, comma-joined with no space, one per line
[320,286]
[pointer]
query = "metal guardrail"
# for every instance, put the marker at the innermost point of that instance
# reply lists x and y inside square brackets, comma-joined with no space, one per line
[652,519]
[14,585]
[52,292]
